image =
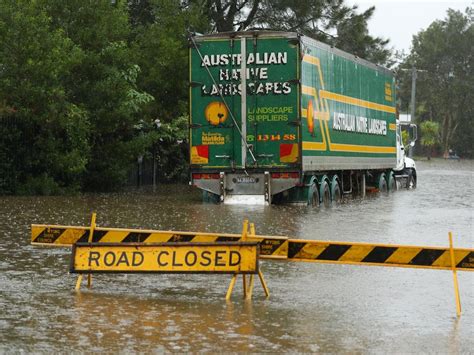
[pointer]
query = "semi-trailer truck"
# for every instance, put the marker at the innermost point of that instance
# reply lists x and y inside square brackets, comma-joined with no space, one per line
[279,117]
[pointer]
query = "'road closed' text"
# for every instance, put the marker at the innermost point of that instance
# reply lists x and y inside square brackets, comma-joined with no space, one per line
[204,257]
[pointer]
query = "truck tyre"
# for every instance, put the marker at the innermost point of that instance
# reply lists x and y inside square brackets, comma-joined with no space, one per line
[382,183]
[411,180]
[277,199]
[392,184]
[313,196]
[335,192]
[209,197]
[325,194]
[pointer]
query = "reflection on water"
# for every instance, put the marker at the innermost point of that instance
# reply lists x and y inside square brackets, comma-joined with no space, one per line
[313,307]
[177,324]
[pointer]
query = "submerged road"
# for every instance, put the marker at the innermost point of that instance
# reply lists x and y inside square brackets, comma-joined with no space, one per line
[312,308]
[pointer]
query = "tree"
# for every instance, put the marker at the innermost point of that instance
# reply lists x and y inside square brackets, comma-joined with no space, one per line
[161,50]
[45,142]
[445,90]
[429,135]
[330,21]
[104,83]
[141,12]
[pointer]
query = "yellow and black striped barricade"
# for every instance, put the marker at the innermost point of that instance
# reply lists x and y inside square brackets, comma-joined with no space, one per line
[379,254]
[459,259]
[271,247]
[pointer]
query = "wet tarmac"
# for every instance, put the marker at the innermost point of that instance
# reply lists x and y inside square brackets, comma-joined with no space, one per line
[312,308]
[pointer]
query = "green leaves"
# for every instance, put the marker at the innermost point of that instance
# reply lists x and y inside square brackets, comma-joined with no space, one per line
[330,21]
[36,116]
[69,96]
[444,53]
[430,133]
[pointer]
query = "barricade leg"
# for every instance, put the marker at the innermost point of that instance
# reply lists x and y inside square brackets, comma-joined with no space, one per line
[250,288]
[248,229]
[90,239]
[455,276]
[78,282]
[244,284]
[264,284]
[260,274]
[231,287]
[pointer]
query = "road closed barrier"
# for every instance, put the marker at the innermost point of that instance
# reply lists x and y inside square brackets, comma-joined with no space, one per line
[421,257]
[229,258]
[173,257]
[136,250]
[270,247]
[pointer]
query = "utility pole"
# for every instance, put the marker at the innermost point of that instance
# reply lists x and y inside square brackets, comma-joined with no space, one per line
[412,113]
[414,75]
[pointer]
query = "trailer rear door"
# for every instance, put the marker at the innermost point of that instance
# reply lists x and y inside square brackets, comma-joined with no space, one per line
[262,105]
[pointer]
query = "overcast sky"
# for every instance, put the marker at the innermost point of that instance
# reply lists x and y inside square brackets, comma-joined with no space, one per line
[399,20]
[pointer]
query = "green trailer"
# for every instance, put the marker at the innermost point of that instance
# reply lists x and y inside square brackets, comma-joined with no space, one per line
[280,117]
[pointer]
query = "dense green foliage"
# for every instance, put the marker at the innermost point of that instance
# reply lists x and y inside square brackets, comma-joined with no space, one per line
[45,135]
[88,87]
[444,53]
[430,135]
[330,21]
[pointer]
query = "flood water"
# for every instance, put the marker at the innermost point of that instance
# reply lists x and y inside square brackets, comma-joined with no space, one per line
[312,307]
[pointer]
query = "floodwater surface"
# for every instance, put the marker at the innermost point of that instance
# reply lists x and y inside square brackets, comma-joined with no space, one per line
[312,308]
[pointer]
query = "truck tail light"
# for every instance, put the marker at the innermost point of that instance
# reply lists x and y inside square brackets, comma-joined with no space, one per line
[290,175]
[205,176]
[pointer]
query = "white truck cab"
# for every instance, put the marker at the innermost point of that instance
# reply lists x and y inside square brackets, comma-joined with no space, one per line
[405,171]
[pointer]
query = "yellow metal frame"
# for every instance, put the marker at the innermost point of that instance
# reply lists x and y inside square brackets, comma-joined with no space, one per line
[247,287]
[91,234]
[455,276]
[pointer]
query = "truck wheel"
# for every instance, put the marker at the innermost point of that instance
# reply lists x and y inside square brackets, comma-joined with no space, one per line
[336,195]
[392,184]
[277,199]
[313,196]
[325,194]
[411,180]
[209,197]
[383,183]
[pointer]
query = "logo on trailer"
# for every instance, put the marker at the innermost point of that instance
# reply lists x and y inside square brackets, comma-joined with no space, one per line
[216,113]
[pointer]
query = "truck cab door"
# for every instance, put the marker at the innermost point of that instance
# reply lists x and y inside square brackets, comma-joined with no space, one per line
[400,150]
